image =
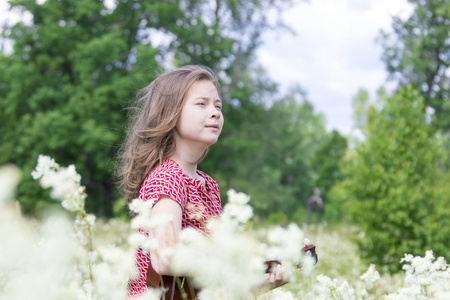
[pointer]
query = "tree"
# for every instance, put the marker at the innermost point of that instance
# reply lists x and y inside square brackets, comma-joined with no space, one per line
[360,104]
[76,65]
[393,185]
[276,168]
[63,91]
[418,53]
[244,112]
[325,163]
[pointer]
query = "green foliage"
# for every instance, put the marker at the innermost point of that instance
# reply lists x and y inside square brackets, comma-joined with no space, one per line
[393,186]
[292,133]
[277,218]
[63,90]
[76,66]
[416,53]
[326,160]
[360,104]
[336,208]
[267,153]
[278,167]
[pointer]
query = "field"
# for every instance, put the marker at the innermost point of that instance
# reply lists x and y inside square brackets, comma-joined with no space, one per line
[74,256]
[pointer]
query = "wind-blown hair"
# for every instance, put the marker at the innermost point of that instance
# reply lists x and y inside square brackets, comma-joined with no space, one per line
[150,137]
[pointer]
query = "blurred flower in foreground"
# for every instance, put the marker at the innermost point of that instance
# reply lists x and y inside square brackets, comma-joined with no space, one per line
[285,244]
[371,276]
[37,256]
[9,178]
[237,211]
[65,183]
[331,289]
[43,256]
[101,272]
[277,294]
[228,263]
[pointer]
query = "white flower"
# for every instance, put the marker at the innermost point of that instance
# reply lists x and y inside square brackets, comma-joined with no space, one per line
[371,275]
[140,207]
[277,294]
[40,254]
[160,221]
[407,258]
[112,271]
[90,218]
[189,235]
[136,239]
[147,223]
[9,178]
[331,289]
[166,252]
[424,277]
[285,244]
[237,211]
[440,264]
[44,165]
[150,244]
[210,259]
[345,291]
[65,183]
[150,294]
[81,237]
[325,280]
[237,197]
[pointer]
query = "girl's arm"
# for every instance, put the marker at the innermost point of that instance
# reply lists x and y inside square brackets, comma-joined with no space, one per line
[165,236]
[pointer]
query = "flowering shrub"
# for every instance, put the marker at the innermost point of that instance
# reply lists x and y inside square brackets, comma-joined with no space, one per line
[61,259]
[56,258]
[426,278]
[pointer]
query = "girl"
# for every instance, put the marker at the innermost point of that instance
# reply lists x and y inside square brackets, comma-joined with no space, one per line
[178,117]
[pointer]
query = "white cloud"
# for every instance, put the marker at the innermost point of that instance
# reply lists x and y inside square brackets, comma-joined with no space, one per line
[334,52]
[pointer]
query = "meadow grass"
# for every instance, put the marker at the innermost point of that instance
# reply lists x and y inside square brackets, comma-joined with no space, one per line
[79,257]
[338,259]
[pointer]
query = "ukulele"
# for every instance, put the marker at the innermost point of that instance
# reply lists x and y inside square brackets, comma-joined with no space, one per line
[309,249]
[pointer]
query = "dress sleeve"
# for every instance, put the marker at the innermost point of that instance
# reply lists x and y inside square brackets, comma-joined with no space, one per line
[164,183]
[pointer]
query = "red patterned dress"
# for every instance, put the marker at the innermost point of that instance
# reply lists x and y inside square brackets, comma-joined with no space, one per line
[199,204]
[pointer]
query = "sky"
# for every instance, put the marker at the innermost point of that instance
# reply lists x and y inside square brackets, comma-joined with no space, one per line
[333,53]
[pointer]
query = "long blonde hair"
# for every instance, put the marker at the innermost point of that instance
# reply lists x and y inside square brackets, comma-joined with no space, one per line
[150,137]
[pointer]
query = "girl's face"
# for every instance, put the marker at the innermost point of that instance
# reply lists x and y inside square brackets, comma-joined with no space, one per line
[201,118]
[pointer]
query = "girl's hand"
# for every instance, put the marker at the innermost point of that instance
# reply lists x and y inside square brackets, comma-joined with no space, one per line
[274,280]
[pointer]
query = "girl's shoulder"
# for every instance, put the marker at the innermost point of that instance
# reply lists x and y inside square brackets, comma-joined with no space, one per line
[167,167]
[168,170]
[165,179]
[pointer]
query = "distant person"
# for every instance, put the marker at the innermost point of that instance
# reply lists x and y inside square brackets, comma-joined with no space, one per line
[313,203]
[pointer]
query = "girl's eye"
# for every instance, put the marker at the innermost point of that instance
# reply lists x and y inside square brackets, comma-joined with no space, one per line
[201,103]
[219,107]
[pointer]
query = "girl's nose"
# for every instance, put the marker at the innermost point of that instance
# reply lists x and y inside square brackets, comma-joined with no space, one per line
[215,113]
